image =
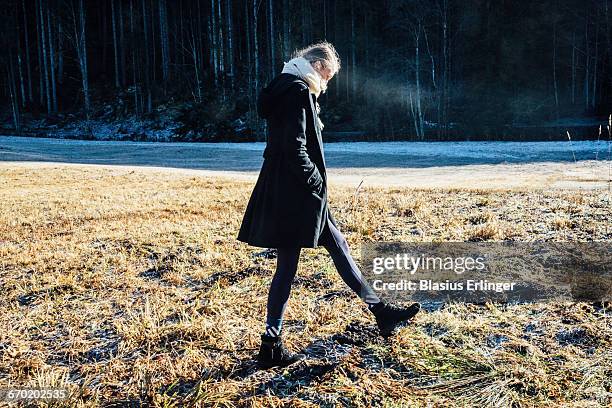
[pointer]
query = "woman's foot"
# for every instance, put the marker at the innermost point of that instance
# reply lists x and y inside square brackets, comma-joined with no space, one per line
[389,317]
[273,353]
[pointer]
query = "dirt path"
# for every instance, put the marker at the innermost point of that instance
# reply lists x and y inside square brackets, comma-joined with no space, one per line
[589,175]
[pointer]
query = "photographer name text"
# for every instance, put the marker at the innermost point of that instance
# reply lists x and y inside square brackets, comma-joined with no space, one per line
[470,285]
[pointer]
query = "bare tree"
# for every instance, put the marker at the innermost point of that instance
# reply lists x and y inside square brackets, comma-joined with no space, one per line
[554,63]
[230,42]
[248,56]
[163,33]
[574,67]
[213,43]
[147,67]
[255,44]
[595,60]
[27,50]
[115,45]
[44,54]
[286,30]
[41,89]
[122,47]
[12,87]
[137,109]
[587,60]
[271,34]
[353,51]
[195,53]
[52,62]
[255,5]
[60,52]
[221,40]
[19,63]
[79,41]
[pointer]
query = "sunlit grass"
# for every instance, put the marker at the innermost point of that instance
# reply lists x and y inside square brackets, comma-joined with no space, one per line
[129,285]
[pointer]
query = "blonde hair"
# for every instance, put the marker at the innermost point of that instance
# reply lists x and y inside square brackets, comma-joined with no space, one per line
[322,51]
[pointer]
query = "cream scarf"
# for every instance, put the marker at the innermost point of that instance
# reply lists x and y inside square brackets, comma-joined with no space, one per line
[301,67]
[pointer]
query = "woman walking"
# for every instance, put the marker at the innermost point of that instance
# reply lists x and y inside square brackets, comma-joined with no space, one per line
[288,208]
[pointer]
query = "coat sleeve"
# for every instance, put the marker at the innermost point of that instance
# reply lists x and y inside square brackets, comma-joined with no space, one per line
[294,145]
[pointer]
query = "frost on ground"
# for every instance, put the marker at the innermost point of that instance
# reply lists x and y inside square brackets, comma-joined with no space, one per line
[444,164]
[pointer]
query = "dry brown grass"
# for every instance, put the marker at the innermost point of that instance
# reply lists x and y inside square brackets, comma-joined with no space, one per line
[129,285]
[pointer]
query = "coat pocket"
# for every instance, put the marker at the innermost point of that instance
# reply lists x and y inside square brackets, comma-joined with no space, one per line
[316,195]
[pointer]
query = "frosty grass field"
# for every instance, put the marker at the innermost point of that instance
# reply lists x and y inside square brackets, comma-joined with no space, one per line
[121,278]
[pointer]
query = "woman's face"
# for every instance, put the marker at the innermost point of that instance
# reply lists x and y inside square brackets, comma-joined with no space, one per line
[325,72]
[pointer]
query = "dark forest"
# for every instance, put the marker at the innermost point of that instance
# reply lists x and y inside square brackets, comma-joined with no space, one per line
[190,70]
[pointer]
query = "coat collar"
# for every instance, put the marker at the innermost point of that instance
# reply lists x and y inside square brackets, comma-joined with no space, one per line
[302,68]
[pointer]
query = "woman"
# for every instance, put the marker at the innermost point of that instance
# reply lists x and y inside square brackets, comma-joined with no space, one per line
[288,208]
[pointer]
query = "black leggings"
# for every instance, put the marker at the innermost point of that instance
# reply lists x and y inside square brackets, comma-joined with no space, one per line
[286,267]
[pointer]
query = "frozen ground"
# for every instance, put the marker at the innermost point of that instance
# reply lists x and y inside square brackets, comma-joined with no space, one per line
[444,164]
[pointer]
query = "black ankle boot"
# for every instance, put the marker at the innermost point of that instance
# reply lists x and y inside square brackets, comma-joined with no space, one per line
[273,353]
[389,317]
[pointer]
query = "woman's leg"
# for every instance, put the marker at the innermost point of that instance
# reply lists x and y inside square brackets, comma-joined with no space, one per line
[348,270]
[286,267]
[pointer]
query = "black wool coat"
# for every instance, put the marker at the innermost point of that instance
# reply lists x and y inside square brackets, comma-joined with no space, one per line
[288,206]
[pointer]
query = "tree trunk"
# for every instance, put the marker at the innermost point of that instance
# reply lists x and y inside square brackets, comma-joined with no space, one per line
[221,40]
[587,61]
[197,53]
[181,31]
[11,82]
[418,82]
[353,52]
[153,46]
[272,42]
[574,67]
[103,29]
[163,32]
[336,39]
[123,78]
[414,114]
[447,71]
[256,56]
[52,62]
[27,52]
[147,68]
[594,91]
[608,47]
[286,31]
[309,23]
[305,38]
[81,48]
[213,43]
[249,58]
[435,90]
[324,19]
[41,89]
[44,54]
[230,42]
[19,63]
[255,46]
[134,71]
[115,46]
[196,64]
[554,62]
[431,60]
[60,53]
[366,60]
